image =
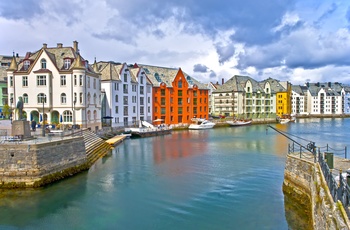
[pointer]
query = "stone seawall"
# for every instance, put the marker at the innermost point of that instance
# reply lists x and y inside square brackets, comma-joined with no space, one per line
[33,165]
[304,183]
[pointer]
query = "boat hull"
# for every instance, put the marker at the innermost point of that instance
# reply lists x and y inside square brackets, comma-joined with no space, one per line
[206,126]
[149,133]
[238,123]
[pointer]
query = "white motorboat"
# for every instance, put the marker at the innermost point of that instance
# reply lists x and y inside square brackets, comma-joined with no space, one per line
[146,129]
[199,123]
[239,122]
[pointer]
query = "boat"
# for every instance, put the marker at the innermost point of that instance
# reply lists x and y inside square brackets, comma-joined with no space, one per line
[146,129]
[286,118]
[200,123]
[239,122]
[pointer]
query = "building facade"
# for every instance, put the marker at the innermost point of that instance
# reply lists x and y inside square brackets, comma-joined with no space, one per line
[177,97]
[127,92]
[57,86]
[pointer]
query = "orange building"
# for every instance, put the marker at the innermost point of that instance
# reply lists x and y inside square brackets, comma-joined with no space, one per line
[177,97]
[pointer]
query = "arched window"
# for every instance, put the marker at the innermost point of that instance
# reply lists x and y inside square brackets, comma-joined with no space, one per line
[67,116]
[89,115]
[63,98]
[88,98]
[95,98]
[43,63]
[25,98]
[41,98]
[95,115]
[116,98]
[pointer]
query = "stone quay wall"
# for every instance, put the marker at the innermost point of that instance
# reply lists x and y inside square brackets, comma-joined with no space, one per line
[305,183]
[34,165]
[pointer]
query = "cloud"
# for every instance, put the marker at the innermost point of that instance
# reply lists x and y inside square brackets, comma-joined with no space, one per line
[331,9]
[347,16]
[17,9]
[212,74]
[225,52]
[200,68]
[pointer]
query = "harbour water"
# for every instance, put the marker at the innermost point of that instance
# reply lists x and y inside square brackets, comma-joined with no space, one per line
[224,178]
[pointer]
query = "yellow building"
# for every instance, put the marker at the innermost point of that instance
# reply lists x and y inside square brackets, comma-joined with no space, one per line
[283,99]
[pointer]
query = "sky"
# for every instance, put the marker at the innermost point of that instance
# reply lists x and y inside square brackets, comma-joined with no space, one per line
[211,40]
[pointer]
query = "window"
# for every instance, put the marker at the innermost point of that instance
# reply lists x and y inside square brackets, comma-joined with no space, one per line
[11,81]
[125,100]
[141,79]
[26,64]
[25,98]
[63,98]
[43,63]
[141,101]
[94,83]
[162,101]
[179,84]
[95,98]
[75,80]
[179,93]
[67,116]
[125,77]
[80,80]
[41,80]
[88,82]
[141,90]
[25,81]
[88,98]
[116,98]
[95,115]
[67,63]
[63,80]
[41,98]
[81,98]
[88,115]
[125,88]
[75,98]
[116,109]
[162,92]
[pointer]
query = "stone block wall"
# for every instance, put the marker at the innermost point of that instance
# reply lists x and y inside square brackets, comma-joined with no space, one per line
[33,165]
[305,183]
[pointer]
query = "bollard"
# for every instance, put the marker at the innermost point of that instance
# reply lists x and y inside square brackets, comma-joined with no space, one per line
[329,159]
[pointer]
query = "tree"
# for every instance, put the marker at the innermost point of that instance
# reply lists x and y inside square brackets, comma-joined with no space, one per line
[6,110]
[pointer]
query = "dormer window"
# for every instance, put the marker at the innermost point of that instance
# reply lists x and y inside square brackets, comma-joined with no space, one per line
[43,63]
[26,64]
[67,63]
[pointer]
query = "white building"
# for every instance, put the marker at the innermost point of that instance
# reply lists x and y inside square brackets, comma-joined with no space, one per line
[128,94]
[57,87]
[299,100]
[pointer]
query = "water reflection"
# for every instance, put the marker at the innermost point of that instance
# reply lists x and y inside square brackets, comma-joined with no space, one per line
[19,207]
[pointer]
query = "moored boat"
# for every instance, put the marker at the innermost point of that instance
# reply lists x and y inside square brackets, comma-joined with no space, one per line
[239,122]
[146,129]
[200,123]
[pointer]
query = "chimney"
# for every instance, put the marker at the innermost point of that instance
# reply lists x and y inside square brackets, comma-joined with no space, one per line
[44,45]
[75,46]
[222,81]
[59,45]
[17,55]
[329,84]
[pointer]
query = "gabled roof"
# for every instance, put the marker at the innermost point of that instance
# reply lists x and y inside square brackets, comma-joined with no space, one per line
[157,74]
[57,55]
[275,85]
[237,83]
[109,70]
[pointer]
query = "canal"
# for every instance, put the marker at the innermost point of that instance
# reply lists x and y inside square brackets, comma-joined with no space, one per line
[224,178]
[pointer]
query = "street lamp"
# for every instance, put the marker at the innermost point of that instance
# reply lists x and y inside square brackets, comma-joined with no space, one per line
[43,101]
[75,101]
[11,101]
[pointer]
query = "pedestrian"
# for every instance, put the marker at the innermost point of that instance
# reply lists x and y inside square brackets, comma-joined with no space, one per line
[33,125]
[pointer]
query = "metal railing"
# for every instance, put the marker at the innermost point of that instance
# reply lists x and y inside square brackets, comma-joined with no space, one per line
[338,190]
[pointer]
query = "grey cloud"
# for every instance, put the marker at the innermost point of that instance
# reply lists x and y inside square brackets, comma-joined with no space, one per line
[200,68]
[212,74]
[332,8]
[225,52]
[158,33]
[305,48]
[20,9]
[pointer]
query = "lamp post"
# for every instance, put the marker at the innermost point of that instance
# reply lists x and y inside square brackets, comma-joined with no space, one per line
[43,117]
[75,101]
[103,107]
[11,101]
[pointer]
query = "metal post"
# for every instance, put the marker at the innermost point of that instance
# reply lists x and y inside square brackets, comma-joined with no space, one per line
[11,115]
[300,151]
[43,127]
[327,147]
[345,152]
